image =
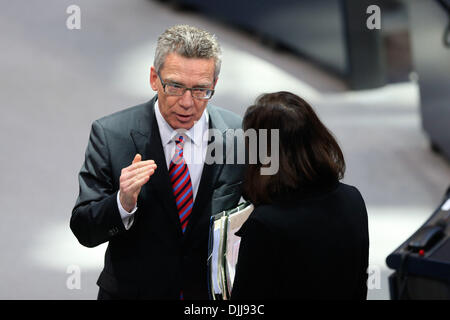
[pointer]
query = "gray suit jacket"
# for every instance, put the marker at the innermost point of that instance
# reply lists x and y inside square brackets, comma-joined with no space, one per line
[153,259]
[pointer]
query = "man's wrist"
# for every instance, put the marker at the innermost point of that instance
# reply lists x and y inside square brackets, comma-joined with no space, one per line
[124,211]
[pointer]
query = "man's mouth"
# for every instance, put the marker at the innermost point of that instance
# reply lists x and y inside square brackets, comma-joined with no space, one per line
[183,118]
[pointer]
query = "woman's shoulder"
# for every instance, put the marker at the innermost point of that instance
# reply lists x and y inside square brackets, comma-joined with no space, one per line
[297,209]
[337,193]
[350,194]
[267,217]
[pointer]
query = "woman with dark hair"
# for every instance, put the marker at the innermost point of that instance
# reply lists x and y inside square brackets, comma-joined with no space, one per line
[307,237]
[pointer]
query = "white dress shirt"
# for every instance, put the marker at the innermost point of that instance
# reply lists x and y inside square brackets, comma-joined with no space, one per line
[194,153]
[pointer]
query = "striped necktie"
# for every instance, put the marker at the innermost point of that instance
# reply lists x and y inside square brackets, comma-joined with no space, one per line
[181,183]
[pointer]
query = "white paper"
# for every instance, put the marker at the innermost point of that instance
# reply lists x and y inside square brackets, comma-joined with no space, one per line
[446,205]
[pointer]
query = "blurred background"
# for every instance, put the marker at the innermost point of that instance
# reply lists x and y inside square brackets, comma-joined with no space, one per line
[380,82]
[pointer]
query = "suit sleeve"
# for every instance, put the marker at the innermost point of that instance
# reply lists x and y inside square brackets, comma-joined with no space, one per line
[95,217]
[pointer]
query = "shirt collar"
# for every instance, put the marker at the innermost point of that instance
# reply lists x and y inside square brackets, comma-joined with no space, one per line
[195,134]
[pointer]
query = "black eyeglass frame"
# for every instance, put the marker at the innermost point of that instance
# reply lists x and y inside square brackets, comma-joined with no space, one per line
[209,92]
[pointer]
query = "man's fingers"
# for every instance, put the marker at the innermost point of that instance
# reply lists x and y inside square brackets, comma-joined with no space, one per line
[137,164]
[137,158]
[140,164]
[130,178]
[133,172]
[144,173]
[140,180]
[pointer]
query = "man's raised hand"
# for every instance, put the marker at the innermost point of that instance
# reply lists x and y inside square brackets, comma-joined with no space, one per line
[132,178]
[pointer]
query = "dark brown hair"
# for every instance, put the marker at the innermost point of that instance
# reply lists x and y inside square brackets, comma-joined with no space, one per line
[310,159]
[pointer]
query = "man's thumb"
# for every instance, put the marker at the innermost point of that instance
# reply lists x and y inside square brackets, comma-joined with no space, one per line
[137,158]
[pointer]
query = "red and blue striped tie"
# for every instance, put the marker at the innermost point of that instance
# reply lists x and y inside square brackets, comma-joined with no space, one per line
[181,184]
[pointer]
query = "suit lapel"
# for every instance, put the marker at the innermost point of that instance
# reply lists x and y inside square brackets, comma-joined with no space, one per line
[148,143]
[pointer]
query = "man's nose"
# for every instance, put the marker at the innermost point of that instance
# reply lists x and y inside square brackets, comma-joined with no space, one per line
[186,99]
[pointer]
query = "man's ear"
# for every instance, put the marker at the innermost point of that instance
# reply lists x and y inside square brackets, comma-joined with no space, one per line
[153,79]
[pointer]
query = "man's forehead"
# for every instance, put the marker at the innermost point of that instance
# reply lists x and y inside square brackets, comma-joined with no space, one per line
[180,62]
[189,69]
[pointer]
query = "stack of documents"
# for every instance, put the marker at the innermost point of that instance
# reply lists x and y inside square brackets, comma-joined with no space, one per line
[224,249]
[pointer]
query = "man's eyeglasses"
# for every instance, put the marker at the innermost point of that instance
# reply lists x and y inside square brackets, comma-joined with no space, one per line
[173,89]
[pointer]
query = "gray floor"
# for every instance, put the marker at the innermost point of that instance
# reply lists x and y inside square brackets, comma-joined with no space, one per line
[55,82]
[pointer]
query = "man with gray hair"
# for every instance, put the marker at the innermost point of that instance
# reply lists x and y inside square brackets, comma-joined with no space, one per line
[139,192]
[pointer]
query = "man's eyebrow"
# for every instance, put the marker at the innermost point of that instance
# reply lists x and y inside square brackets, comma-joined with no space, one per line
[168,80]
[200,85]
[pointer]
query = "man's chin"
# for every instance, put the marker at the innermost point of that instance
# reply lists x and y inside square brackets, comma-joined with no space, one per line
[182,125]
